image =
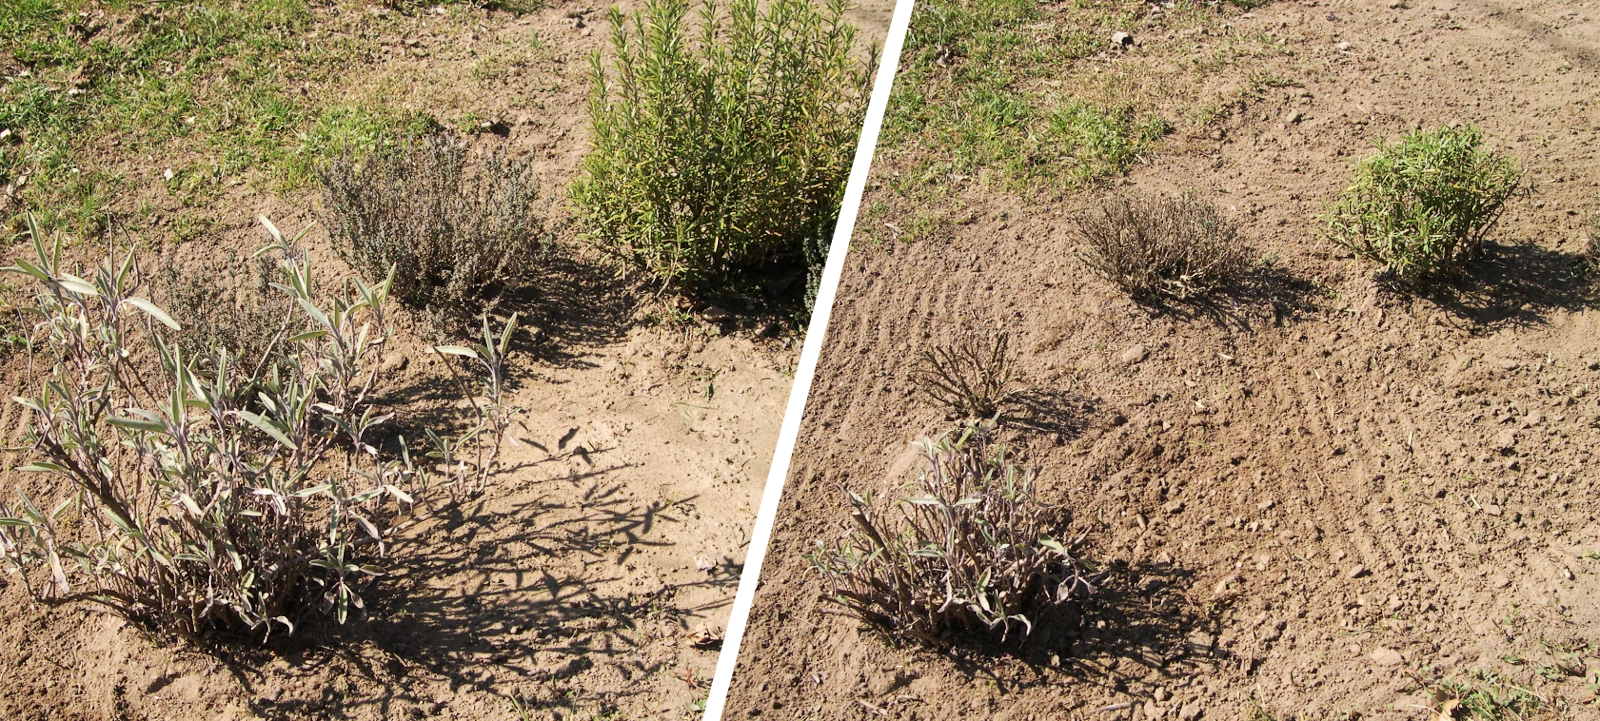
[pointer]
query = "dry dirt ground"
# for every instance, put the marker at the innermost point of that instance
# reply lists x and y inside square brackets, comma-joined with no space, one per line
[1318,499]
[593,579]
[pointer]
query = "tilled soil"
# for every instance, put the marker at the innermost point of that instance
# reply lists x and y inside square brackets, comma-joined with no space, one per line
[1318,498]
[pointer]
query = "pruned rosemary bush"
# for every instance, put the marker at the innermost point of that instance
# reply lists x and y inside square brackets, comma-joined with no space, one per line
[200,494]
[1155,247]
[971,377]
[966,548]
[456,236]
[722,151]
[1425,204]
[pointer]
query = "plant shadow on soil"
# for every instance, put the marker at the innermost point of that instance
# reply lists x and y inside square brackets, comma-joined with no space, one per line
[574,303]
[470,604]
[1138,620]
[1512,284]
[1064,413]
[1270,293]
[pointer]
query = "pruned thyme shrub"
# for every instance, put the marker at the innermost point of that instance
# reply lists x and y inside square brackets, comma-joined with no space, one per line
[1156,247]
[457,235]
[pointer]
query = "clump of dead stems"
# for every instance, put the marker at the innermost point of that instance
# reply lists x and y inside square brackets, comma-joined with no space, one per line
[1155,247]
[971,377]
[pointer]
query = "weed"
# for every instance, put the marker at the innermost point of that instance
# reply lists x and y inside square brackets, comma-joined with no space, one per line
[454,237]
[969,551]
[1425,204]
[198,494]
[717,155]
[1591,249]
[1484,697]
[1160,247]
[971,377]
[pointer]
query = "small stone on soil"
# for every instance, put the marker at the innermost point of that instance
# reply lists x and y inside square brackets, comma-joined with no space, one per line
[1134,355]
[1386,657]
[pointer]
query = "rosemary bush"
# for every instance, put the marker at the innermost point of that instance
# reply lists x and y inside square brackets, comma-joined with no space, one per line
[199,494]
[1153,247]
[723,151]
[455,236]
[969,550]
[1425,204]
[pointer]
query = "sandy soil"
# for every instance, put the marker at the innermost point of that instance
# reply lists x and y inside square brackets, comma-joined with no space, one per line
[1318,499]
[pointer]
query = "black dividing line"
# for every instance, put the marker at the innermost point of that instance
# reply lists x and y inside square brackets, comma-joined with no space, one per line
[807,360]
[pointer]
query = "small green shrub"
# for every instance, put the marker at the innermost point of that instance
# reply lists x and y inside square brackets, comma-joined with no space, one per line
[1153,246]
[968,552]
[197,494]
[1425,204]
[971,377]
[454,236]
[725,152]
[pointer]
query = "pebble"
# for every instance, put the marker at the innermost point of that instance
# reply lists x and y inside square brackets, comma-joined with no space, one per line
[1294,116]
[1357,572]
[715,314]
[1121,39]
[1505,440]
[394,363]
[1343,45]
[1134,355]
[1386,657]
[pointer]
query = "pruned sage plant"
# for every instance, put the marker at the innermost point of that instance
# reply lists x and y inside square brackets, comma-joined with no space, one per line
[198,494]
[721,145]
[965,548]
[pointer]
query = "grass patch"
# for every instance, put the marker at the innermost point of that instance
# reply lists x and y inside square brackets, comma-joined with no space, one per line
[992,86]
[225,78]
[1484,696]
